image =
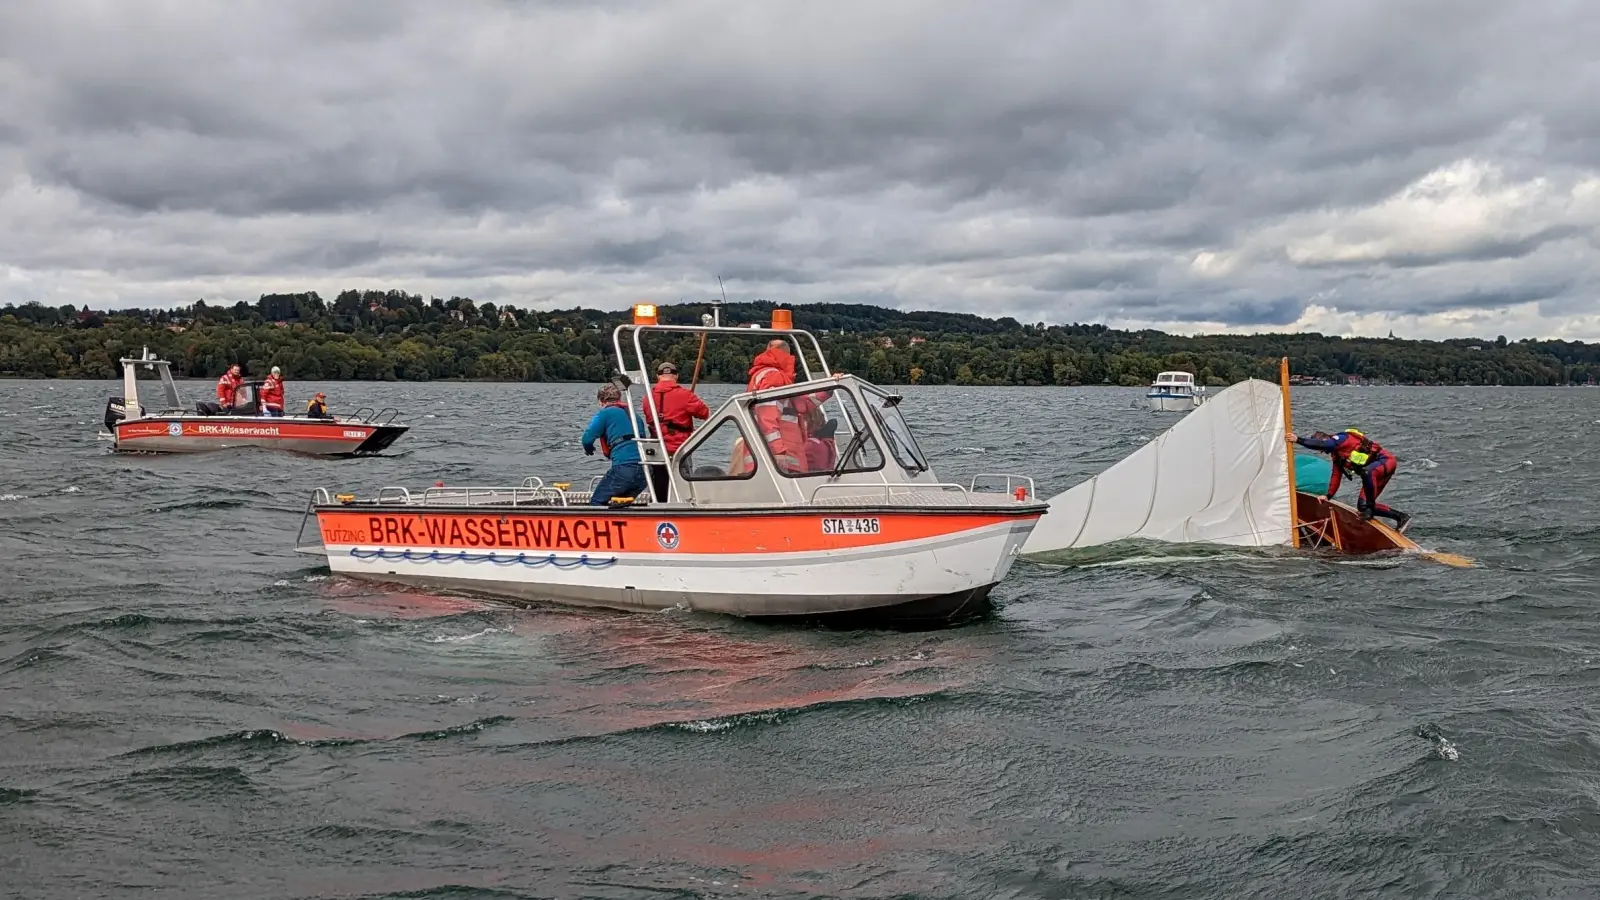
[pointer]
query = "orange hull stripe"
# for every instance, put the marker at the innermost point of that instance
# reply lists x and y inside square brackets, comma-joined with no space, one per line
[605,532]
[266,428]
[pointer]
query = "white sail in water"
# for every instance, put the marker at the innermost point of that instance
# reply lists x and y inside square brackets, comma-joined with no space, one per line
[1220,476]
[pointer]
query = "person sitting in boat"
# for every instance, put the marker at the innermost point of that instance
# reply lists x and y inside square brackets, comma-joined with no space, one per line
[318,407]
[772,367]
[678,407]
[272,394]
[780,421]
[613,429]
[227,386]
[822,453]
[1359,456]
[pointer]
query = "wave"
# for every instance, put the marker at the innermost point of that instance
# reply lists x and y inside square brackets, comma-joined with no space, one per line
[784,714]
[9,796]
[191,505]
[271,738]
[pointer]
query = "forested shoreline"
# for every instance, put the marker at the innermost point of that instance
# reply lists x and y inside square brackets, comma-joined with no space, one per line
[395,336]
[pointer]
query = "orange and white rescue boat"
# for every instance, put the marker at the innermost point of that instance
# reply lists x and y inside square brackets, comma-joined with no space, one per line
[746,528]
[174,428]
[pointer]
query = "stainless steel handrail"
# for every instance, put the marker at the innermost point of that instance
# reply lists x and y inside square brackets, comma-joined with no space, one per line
[888,489]
[1009,477]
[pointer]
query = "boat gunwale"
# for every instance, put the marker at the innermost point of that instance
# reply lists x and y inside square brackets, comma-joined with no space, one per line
[1032,509]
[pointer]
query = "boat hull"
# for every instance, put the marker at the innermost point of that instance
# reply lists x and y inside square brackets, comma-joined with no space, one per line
[198,434]
[844,566]
[1170,402]
[1330,524]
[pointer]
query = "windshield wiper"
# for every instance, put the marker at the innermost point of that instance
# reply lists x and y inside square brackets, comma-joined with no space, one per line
[856,441]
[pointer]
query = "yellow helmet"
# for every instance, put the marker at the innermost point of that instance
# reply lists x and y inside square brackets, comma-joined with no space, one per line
[1354,432]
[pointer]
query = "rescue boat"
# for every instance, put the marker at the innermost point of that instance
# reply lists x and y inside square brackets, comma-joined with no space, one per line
[743,527]
[173,427]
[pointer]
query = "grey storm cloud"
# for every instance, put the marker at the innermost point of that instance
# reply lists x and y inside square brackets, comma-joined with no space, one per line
[1249,164]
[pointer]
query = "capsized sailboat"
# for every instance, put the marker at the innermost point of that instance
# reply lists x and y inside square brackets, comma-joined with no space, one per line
[1224,475]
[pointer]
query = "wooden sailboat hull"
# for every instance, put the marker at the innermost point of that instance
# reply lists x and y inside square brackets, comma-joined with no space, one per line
[1332,525]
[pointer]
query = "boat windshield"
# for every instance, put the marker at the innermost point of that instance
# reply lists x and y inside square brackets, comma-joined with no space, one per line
[817,433]
[886,407]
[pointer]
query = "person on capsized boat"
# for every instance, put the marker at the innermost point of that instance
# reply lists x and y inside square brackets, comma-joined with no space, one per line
[678,407]
[227,385]
[1358,455]
[272,393]
[317,408]
[613,429]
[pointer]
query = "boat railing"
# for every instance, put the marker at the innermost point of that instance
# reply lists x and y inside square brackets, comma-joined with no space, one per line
[889,490]
[482,495]
[319,497]
[1012,481]
[394,495]
[366,415]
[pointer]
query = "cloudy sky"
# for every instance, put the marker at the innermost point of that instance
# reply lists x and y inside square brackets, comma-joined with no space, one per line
[1196,165]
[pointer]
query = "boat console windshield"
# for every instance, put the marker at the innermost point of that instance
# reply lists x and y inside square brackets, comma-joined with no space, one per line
[827,434]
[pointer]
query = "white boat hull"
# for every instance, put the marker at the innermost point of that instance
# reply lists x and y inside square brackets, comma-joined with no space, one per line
[1171,402]
[938,576]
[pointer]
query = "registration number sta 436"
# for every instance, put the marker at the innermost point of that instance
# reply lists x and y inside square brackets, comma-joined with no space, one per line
[850,526]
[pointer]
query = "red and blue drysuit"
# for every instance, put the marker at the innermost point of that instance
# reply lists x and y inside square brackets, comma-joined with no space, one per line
[1363,457]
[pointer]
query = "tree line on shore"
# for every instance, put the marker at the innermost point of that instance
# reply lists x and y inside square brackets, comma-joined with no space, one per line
[392,335]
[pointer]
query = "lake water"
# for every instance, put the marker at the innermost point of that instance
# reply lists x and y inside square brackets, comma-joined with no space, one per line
[188,708]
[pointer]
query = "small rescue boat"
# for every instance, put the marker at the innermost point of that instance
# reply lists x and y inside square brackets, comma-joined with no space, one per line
[133,427]
[747,528]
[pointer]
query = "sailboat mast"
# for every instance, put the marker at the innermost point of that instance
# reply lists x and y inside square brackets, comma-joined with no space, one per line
[1288,451]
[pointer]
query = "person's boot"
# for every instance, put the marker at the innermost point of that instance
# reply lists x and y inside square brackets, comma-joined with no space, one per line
[1402,521]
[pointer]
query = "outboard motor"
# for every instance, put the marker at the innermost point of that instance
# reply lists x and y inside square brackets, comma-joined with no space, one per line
[115,412]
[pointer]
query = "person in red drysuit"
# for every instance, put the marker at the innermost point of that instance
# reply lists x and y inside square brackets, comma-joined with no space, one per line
[780,423]
[1363,457]
[226,385]
[821,452]
[272,393]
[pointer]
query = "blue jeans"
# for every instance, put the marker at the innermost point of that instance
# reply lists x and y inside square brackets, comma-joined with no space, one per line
[621,480]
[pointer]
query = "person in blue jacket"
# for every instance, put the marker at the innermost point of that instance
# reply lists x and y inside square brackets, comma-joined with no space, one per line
[613,429]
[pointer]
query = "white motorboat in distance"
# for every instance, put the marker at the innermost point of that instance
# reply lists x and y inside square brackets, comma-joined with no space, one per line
[1175,392]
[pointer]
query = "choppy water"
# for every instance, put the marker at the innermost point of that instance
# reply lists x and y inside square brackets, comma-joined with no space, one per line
[189,708]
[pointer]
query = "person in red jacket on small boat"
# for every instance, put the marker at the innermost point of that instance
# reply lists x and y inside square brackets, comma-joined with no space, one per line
[272,393]
[227,385]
